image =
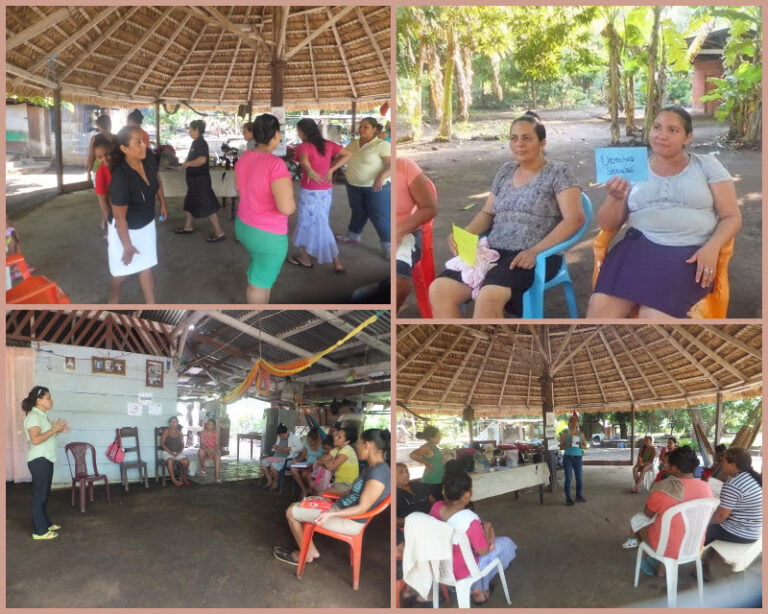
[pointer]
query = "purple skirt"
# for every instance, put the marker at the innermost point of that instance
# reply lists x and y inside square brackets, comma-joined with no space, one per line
[646,273]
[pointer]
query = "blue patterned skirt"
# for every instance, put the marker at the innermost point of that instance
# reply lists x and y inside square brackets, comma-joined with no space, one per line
[313,232]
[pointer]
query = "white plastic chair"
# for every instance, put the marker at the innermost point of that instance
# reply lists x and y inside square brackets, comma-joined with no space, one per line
[695,514]
[738,556]
[649,478]
[464,586]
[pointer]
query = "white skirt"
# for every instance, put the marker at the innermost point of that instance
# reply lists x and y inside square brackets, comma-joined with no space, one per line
[143,239]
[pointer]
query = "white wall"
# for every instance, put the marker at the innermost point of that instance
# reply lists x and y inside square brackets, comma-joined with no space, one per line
[94,404]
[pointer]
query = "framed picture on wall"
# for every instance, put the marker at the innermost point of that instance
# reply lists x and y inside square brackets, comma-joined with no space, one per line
[154,374]
[114,366]
[69,363]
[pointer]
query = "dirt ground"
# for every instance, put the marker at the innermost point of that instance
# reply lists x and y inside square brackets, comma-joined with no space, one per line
[192,547]
[571,557]
[61,239]
[463,171]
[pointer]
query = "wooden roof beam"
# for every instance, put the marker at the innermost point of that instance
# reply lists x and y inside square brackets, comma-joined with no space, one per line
[629,355]
[506,373]
[571,329]
[438,363]
[480,371]
[311,58]
[210,15]
[91,23]
[559,365]
[372,38]
[332,19]
[336,322]
[719,332]
[181,64]
[225,87]
[37,28]
[161,54]
[209,62]
[655,360]
[469,355]
[282,33]
[616,364]
[136,47]
[340,47]
[597,377]
[267,338]
[709,352]
[676,344]
[439,330]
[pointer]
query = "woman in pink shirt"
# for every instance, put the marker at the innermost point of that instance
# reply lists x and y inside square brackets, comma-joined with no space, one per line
[313,235]
[266,201]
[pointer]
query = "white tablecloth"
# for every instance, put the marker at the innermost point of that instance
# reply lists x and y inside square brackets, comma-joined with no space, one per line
[494,483]
[175,184]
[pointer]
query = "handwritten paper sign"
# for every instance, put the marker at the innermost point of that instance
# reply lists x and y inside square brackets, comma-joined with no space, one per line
[631,163]
[466,244]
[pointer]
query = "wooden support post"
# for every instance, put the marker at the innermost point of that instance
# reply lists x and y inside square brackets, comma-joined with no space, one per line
[632,437]
[157,123]
[354,119]
[277,67]
[59,147]
[718,416]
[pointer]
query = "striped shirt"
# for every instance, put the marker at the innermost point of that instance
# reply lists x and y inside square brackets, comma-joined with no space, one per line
[744,497]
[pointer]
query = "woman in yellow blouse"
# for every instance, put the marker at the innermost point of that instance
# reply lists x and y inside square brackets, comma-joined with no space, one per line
[343,460]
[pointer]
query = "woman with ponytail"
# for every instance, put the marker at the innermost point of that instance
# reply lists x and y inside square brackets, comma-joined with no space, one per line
[40,432]
[485,545]
[313,235]
[131,233]
[368,491]
[266,200]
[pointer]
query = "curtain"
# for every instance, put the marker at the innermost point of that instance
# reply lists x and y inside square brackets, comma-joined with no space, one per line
[19,379]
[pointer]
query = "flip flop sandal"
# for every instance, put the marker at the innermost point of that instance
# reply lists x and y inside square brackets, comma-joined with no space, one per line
[48,535]
[182,231]
[215,239]
[285,557]
[630,543]
[296,262]
[54,527]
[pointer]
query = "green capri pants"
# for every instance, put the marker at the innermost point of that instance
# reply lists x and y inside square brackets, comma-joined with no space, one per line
[267,250]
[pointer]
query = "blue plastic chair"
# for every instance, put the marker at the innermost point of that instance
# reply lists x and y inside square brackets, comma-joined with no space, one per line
[533,299]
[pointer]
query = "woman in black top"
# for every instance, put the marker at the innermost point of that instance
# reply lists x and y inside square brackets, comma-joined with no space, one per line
[201,200]
[131,233]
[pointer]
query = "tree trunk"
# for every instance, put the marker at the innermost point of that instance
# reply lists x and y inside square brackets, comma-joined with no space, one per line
[446,124]
[754,136]
[653,93]
[416,120]
[462,88]
[629,106]
[469,73]
[614,80]
[435,87]
[496,73]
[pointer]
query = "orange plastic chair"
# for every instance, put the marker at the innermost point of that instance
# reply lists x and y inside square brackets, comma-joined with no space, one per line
[423,272]
[328,494]
[712,306]
[33,289]
[355,541]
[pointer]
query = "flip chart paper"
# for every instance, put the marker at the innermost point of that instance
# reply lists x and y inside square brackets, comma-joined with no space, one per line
[630,163]
[466,244]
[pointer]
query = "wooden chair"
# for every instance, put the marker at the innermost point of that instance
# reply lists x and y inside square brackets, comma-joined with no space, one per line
[81,477]
[712,306]
[355,541]
[136,463]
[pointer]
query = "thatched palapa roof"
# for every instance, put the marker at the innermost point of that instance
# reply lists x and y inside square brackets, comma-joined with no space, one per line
[496,369]
[206,56]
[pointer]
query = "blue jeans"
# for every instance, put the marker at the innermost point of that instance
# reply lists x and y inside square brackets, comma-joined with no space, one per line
[571,461]
[42,477]
[368,204]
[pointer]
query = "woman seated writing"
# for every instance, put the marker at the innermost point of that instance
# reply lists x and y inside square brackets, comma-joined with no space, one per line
[534,204]
[486,546]
[644,463]
[287,446]
[367,491]
[678,220]
[313,449]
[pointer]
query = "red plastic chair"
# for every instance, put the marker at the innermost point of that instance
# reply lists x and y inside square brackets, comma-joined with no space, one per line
[423,272]
[32,289]
[355,541]
[329,494]
[80,476]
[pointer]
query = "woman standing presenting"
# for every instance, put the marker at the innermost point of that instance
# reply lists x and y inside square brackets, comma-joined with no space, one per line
[40,433]
[200,200]
[266,200]
[368,170]
[573,443]
[131,234]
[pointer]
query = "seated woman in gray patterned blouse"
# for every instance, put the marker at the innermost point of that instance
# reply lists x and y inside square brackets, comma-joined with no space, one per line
[534,204]
[679,220]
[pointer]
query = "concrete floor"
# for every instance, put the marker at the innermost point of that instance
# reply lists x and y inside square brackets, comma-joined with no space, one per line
[192,547]
[61,238]
[571,557]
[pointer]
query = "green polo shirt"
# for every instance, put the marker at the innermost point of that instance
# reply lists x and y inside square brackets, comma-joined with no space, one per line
[47,449]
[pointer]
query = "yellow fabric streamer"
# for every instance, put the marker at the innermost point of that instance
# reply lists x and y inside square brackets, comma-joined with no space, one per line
[262,369]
